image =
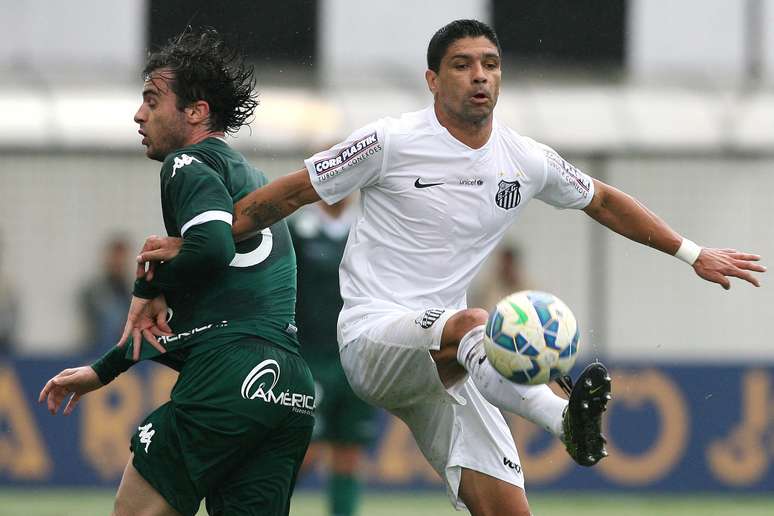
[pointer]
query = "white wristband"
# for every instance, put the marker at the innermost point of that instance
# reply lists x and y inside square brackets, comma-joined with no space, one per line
[688,252]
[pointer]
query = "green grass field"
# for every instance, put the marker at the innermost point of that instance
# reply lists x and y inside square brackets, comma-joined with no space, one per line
[83,502]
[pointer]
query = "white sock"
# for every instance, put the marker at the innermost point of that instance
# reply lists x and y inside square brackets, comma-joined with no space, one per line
[537,403]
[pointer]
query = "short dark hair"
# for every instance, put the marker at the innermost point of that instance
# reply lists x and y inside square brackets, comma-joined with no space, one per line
[451,32]
[205,68]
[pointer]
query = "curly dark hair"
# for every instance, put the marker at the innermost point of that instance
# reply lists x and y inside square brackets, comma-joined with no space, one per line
[205,68]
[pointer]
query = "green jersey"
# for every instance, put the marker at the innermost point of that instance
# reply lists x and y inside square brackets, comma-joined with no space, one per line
[319,242]
[255,294]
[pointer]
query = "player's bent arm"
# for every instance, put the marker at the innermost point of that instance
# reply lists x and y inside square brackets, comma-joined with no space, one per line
[206,248]
[257,210]
[628,217]
[263,207]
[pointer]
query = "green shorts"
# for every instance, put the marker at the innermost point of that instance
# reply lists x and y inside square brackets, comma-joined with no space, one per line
[340,416]
[235,431]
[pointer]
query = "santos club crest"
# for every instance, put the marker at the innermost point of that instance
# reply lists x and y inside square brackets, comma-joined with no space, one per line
[508,195]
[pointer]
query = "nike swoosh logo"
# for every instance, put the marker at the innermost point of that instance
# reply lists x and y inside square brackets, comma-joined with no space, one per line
[417,184]
[592,391]
[481,360]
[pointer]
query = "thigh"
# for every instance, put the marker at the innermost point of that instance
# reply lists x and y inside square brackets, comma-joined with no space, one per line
[472,435]
[136,496]
[263,484]
[158,458]
[485,495]
[389,363]
[224,407]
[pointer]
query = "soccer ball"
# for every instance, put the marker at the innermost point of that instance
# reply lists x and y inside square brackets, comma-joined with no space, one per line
[531,337]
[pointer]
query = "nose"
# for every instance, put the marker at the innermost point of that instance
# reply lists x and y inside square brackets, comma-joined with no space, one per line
[139,116]
[479,75]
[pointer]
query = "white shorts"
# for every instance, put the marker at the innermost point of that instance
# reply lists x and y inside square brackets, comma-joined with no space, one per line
[389,365]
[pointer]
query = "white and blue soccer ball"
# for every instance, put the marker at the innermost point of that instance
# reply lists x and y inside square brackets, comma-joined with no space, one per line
[531,337]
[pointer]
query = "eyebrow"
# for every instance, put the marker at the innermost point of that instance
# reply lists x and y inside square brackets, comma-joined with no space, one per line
[471,56]
[148,91]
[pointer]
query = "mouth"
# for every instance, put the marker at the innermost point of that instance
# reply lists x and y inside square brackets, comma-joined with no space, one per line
[480,98]
[144,137]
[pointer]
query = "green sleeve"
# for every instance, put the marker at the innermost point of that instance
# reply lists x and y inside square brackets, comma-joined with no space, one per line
[111,364]
[192,191]
[207,248]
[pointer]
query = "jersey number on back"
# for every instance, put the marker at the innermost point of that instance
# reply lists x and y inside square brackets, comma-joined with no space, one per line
[257,255]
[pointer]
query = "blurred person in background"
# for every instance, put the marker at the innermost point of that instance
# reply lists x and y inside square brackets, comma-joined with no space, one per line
[240,416]
[9,309]
[104,299]
[344,424]
[503,276]
[439,188]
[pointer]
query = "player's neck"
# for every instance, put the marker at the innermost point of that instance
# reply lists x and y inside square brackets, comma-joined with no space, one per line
[474,135]
[201,135]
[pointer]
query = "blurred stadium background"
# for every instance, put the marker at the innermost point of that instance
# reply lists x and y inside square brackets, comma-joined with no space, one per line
[673,102]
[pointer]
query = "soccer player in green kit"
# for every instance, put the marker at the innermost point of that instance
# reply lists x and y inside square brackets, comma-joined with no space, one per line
[343,422]
[240,416]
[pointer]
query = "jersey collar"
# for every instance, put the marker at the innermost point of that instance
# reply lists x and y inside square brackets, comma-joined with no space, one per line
[448,136]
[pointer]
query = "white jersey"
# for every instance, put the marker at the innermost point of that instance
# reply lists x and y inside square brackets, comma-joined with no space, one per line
[432,209]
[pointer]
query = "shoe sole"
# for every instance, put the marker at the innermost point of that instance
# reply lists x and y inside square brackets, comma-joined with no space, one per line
[597,387]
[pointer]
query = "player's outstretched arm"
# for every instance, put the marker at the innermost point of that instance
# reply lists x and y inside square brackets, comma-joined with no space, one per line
[74,382]
[630,218]
[263,207]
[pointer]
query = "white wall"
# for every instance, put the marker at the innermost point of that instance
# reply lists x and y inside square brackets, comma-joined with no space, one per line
[384,42]
[657,308]
[376,42]
[699,39]
[43,38]
[767,24]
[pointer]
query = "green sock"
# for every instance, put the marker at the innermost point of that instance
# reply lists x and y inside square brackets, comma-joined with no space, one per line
[344,492]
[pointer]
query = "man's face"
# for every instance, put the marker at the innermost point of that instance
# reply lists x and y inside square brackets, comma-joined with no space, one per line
[162,125]
[467,84]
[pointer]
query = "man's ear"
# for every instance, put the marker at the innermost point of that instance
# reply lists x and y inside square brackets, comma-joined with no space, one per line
[197,112]
[432,78]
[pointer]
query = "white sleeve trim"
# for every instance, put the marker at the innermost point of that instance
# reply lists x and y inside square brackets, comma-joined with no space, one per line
[207,216]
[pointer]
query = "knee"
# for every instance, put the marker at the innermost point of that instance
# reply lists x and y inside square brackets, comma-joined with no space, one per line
[464,321]
[119,509]
[124,507]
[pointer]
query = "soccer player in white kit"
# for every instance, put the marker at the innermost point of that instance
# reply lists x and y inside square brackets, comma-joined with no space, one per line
[439,188]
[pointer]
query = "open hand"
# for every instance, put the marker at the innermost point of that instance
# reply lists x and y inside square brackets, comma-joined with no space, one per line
[718,265]
[147,318]
[76,381]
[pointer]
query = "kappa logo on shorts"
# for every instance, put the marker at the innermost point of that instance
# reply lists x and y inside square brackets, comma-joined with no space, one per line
[146,434]
[266,375]
[429,317]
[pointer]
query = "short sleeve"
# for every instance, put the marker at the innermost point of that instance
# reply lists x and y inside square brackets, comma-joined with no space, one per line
[565,185]
[193,193]
[350,165]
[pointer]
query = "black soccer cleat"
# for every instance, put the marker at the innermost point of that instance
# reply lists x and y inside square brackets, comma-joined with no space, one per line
[582,420]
